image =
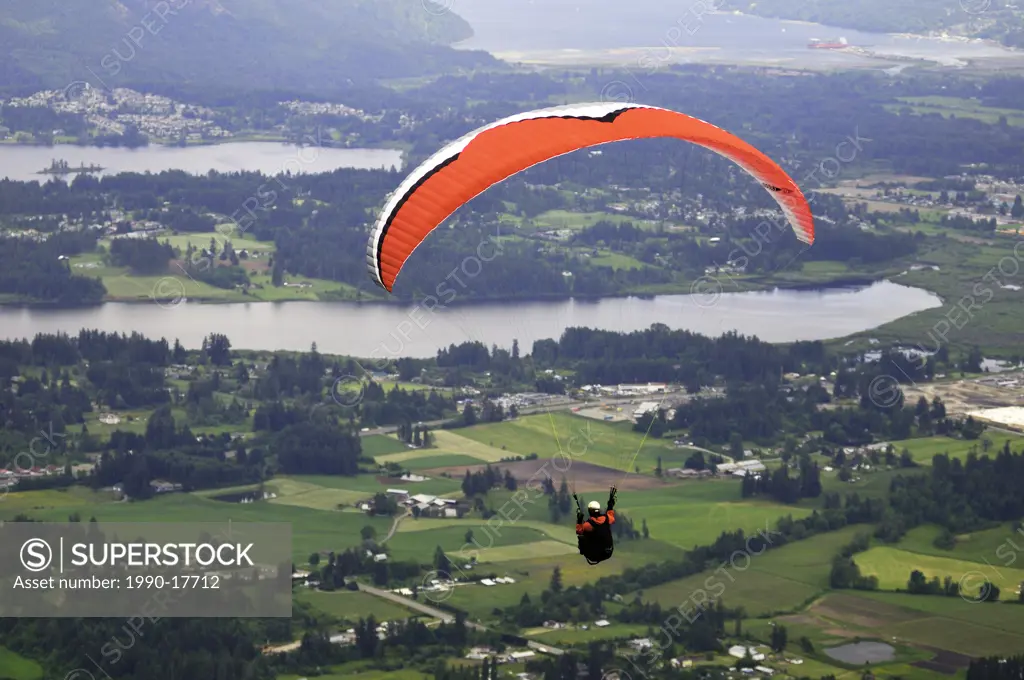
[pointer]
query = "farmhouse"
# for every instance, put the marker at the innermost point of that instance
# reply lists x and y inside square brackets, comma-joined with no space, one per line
[741,468]
[741,652]
[687,473]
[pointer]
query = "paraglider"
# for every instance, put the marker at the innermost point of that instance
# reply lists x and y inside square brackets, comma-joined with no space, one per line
[595,534]
[468,166]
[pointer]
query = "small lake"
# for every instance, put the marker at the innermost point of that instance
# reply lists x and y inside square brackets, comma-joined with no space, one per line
[387,330]
[22,162]
[859,653]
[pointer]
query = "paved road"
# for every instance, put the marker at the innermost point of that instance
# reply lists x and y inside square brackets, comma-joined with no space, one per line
[445,616]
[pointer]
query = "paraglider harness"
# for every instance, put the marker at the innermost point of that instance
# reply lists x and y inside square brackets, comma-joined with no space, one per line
[596,545]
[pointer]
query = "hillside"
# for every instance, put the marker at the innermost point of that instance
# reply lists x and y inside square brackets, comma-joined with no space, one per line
[261,43]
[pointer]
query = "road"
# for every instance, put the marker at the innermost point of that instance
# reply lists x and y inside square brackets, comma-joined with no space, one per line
[394,527]
[445,616]
[530,410]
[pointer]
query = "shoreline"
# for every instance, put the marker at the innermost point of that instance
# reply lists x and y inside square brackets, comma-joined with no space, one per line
[241,139]
[852,281]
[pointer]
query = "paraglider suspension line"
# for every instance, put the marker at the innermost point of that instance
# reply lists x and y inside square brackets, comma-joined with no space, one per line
[629,468]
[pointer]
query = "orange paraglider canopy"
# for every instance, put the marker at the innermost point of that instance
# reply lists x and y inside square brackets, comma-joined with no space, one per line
[469,166]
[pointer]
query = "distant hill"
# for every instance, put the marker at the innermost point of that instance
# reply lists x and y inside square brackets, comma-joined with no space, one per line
[253,44]
[1001,20]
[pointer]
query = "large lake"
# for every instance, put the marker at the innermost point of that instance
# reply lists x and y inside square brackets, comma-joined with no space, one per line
[639,31]
[380,330]
[20,162]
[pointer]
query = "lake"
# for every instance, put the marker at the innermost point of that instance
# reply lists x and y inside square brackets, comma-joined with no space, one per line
[638,33]
[21,162]
[384,330]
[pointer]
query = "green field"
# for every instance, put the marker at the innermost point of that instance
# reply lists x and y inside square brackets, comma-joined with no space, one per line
[923,449]
[349,606]
[420,545]
[446,443]
[359,672]
[378,445]
[122,284]
[575,636]
[584,439]
[16,667]
[959,107]
[943,622]
[892,566]
[780,579]
[997,546]
[566,219]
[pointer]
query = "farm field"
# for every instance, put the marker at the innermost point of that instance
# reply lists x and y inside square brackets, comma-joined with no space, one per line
[420,545]
[349,606]
[997,546]
[580,439]
[533,575]
[947,623]
[780,579]
[959,107]
[445,443]
[354,672]
[892,567]
[925,448]
[16,667]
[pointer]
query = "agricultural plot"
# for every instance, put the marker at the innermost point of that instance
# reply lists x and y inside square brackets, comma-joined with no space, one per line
[947,623]
[780,579]
[583,440]
[959,107]
[350,606]
[892,567]
[926,448]
[1001,546]
[16,667]
[380,445]
[312,530]
[420,545]
[533,575]
[446,443]
[352,672]
[576,636]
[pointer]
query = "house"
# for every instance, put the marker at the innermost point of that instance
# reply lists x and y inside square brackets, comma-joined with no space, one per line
[160,486]
[602,623]
[520,656]
[380,557]
[409,477]
[401,493]
[681,663]
[764,669]
[641,644]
